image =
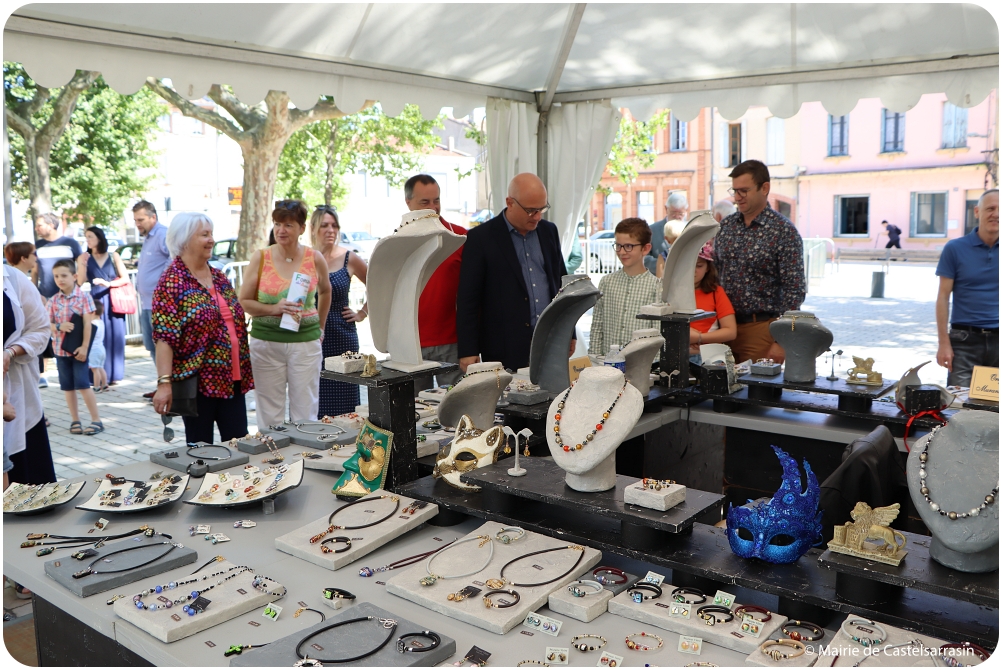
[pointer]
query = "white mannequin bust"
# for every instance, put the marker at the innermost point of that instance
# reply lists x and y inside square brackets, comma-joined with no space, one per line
[640,353]
[593,468]
[476,395]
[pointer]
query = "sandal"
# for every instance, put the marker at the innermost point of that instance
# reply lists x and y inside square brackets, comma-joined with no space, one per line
[21,593]
[76,428]
[94,428]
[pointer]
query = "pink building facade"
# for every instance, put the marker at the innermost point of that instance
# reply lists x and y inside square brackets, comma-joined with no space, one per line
[922,171]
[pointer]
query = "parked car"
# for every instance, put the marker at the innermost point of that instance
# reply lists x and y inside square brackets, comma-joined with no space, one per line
[601,253]
[129,253]
[363,240]
[225,251]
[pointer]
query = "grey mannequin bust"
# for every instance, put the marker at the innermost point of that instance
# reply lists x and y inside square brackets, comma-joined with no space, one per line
[680,266]
[593,467]
[640,353]
[962,468]
[803,338]
[476,395]
[551,339]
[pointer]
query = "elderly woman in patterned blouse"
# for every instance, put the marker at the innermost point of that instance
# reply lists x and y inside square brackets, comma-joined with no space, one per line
[199,329]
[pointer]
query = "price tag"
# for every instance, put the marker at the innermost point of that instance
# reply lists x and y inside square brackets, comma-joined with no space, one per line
[680,611]
[654,578]
[543,624]
[272,611]
[984,383]
[751,626]
[609,661]
[690,645]
[722,598]
[557,655]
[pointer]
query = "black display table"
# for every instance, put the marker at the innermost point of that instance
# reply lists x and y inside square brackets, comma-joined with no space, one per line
[675,352]
[985,405]
[640,527]
[804,587]
[851,397]
[391,407]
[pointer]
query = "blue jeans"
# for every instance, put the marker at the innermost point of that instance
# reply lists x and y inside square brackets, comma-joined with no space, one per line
[969,349]
[146,324]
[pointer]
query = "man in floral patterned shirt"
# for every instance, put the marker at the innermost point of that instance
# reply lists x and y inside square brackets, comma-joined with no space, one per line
[760,257]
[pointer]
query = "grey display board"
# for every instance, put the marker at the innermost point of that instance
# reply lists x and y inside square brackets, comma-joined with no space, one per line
[62,569]
[364,540]
[183,460]
[254,446]
[469,555]
[583,608]
[232,598]
[309,438]
[351,640]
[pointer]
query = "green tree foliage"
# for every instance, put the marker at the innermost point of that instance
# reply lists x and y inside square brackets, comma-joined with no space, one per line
[103,158]
[634,146]
[317,158]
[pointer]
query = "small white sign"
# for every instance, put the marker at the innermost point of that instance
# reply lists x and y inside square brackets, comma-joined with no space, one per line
[654,578]
[751,626]
[690,645]
[952,224]
[609,661]
[272,611]
[557,655]
[680,611]
[722,598]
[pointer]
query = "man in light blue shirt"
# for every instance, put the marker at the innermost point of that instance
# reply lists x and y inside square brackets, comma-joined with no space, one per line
[153,260]
[530,258]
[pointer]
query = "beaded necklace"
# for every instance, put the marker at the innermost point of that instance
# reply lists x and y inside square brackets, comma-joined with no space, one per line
[924,487]
[598,426]
[496,371]
[571,283]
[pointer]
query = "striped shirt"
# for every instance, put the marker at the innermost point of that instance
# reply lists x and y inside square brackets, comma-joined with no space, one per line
[614,317]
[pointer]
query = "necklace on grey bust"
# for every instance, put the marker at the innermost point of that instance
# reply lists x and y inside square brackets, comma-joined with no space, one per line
[572,283]
[924,486]
[496,371]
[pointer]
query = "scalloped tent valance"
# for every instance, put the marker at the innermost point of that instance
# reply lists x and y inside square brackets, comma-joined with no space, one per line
[642,56]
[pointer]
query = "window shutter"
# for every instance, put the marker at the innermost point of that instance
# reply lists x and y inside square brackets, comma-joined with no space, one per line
[960,128]
[948,119]
[744,142]
[723,141]
[683,136]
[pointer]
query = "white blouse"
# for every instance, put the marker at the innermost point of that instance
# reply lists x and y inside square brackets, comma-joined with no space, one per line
[21,381]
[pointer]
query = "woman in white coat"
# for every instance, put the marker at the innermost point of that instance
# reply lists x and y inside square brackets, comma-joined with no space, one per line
[25,336]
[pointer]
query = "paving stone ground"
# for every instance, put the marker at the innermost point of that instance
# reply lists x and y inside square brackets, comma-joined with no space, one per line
[898,331]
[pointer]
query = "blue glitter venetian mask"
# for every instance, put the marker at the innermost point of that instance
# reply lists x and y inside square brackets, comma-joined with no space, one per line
[784,528]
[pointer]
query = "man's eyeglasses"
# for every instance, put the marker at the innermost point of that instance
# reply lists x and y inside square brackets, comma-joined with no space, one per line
[625,247]
[739,191]
[532,211]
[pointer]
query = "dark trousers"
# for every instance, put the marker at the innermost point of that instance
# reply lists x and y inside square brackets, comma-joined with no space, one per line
[229,414]
[893,243]
[971,348]
[34,464]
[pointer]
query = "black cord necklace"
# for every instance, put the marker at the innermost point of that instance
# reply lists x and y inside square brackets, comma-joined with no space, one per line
[499,583]
[33,538]
[389,624]
[229,454]
[89,570]
[402,563]
[319,536]
[237,649]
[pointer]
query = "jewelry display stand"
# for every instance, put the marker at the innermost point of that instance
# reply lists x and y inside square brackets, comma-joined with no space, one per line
[228,600]
[343,365]
[310,438]
[332,461]
[291,478]
[580,608]
[802,345]
[640,353]
[183,460]
[351,641]
[963,468]
[551,339]
[663,500]
[94,503]
[476,395]
[472,611]
[254,446]
[806,660]
[20,503]
[656,613]
[62,569]
[680,265]
[399,268]
[853,652]
[363,541]
[593,468]
[526,397]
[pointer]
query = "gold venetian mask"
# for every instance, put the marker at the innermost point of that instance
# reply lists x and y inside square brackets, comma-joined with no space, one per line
[472,448]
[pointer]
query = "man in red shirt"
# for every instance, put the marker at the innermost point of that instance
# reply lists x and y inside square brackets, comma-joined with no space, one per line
[437,306]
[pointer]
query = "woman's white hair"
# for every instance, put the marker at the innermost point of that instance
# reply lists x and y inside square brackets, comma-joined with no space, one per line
[725,208]
[183,227]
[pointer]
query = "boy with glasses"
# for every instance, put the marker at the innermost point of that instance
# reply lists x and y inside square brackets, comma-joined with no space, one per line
[624,292]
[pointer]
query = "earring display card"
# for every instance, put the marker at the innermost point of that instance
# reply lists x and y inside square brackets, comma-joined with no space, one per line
[230,599]
[582,608]
[259,480]
[466,557]
[62,569]
[891,655]
[663,500]
[352,640]
[657,612]
[135,496]
[254,446]
[556,655]
[183,460]
[364,540]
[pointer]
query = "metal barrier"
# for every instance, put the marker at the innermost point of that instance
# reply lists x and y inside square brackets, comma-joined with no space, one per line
[816,256]
[599,258]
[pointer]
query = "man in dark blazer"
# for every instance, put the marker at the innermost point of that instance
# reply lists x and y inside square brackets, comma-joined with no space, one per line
[511,270]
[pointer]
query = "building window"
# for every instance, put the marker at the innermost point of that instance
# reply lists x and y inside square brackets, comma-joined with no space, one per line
[679,134]
[852,214]
[645,205]
[784,208]
[954,126]
[970,221]
[929,214]
[893,132]
[733,144]
[775,141]
[838,135]
[613,210]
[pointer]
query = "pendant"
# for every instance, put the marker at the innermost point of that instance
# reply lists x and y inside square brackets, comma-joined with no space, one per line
[495,583]
[366,572]
[429,580]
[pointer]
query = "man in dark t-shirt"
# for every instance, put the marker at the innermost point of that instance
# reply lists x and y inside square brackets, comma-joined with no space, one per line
[893,235]
[51,246]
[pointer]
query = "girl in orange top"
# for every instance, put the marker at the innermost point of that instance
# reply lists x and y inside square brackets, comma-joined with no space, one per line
[710,297]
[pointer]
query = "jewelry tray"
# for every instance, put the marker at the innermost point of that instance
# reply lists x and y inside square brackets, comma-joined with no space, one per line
[293,478]
[328,460]
[94,504]
[72,491]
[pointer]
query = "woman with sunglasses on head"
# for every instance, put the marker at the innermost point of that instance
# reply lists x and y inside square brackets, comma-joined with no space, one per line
[340,334]
[286,361]
[104,269]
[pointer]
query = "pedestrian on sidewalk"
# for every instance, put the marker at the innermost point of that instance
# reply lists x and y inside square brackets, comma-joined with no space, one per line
[893,235]
[200,330]
[152,262]
[104,270]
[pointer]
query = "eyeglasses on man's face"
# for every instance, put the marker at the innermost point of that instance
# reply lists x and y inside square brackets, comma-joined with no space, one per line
[625,247]
[742,192]
[533,211]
